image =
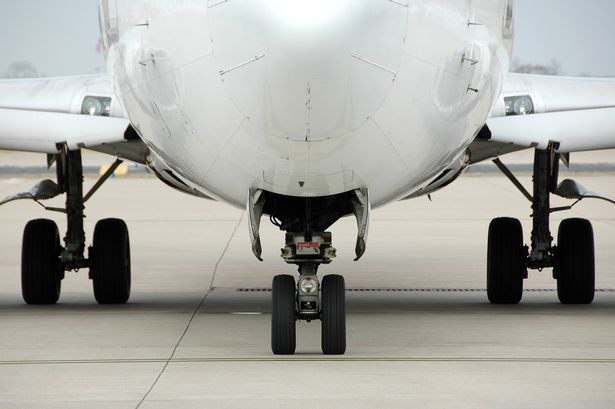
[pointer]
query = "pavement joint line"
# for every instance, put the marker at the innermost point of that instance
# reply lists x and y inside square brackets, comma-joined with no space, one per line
[194,313]
[414,290]
[304,359]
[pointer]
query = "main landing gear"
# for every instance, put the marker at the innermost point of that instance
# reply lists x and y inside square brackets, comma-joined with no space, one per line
[44,260]
[572,260]
[308,245]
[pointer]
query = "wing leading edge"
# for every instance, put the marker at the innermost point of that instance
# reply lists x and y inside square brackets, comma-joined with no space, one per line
[37,115]
[576,114]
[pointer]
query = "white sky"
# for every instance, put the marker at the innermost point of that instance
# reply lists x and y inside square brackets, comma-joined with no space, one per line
[59,36]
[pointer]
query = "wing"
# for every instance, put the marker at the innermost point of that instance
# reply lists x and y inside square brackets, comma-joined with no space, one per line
[575,114]
[38,115]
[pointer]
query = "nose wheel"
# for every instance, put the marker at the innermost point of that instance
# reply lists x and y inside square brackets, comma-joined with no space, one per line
[292,302]
[283,315]
[333,315]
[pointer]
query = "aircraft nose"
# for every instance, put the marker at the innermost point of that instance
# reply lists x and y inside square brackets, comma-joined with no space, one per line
[308,70]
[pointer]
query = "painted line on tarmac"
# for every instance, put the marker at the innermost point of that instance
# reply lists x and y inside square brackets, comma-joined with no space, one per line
[415,290]
[306,359]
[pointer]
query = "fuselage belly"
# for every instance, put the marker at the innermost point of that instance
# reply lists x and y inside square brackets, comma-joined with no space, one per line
[314,99]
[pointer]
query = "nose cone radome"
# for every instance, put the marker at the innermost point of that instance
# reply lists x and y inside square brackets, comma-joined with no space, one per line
[308,69]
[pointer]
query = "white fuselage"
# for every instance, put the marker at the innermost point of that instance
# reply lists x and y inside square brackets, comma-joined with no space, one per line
[307,97]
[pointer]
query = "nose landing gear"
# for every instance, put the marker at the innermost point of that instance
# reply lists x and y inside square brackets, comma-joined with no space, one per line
[309,299]
[308,245]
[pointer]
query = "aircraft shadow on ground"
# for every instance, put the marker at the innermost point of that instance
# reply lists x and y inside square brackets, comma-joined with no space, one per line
[357,303]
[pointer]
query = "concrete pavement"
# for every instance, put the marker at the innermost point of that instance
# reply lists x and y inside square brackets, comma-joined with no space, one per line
[196,332]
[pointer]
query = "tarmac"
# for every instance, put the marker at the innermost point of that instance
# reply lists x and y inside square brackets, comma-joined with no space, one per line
[196,331]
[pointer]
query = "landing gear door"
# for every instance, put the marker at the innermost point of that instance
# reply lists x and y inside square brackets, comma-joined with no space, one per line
[256,205]
[361,208]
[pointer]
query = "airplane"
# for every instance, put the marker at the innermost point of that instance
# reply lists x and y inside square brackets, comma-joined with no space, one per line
[307,111]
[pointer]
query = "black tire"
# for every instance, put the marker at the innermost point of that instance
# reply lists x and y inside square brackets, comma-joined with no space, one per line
[333,315]
[283,317]
[575,270]
[110,262]
[505,261]
[41,268]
